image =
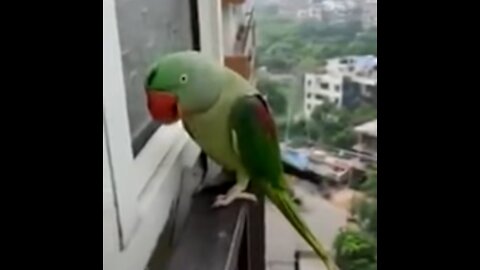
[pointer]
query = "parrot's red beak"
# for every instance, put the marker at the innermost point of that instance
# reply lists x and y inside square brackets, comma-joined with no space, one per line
[163,106]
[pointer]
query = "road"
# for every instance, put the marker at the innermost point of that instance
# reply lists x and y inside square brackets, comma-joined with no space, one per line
[282,241]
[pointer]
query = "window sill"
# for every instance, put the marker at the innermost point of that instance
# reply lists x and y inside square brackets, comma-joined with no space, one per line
[155,152]
[227,238]
[160,175]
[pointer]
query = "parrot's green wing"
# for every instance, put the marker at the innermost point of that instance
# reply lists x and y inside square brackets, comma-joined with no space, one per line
[254,137]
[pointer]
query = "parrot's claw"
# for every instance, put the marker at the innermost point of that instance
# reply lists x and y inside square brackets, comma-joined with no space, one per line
[224,200]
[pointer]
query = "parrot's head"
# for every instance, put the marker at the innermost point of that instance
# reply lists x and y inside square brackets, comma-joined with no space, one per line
[180,84]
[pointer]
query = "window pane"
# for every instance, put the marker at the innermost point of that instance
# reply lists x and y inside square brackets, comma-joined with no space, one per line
[148,28]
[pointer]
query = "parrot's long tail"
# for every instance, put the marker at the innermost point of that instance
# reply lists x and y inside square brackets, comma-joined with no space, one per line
[284,203]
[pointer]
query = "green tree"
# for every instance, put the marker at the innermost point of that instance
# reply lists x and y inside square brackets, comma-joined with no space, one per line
[277,101]
[275,98]
[268,10]
[370,185]
[355,250]
[363,114]
[306,65]
[298,129]
[284,44]
[331,126]
[365,211]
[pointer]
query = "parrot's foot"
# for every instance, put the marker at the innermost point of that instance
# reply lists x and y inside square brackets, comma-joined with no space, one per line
[237,191]
[226,199]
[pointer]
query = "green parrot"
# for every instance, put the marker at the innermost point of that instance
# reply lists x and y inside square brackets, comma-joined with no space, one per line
[232,123]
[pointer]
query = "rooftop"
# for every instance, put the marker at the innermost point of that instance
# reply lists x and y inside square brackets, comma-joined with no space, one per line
[295,158]
[355,64]
[369,128]
[365,63]
[322,163]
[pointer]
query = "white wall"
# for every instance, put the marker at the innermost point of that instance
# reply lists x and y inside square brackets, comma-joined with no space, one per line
[231,18]
[211,28]
[335,72]
[312,88]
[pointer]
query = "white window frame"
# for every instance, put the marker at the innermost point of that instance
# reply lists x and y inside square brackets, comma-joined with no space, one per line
[153,208]
[131,174]
[141,182]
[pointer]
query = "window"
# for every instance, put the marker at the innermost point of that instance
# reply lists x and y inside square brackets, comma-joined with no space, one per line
[336,83]
[139,49]
[132,36]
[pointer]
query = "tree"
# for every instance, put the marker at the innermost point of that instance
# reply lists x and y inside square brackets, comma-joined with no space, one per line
[331,126]
[343,139]
[306,65]
[284,44]
[298,129]
[266,85]
[277,101]
[370,185]
[275,98]
[355,250]
[363,114]
[268,10]
[365,211]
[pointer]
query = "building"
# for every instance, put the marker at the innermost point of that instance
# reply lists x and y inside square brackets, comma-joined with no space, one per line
[331,167]
[290,9]
[360,66]
[150,219]
[321,88]
[311,12]
[358,90]
[335,11]
[367,138]
[346,82]
[328,11]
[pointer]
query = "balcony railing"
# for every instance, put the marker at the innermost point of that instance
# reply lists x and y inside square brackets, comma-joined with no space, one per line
[242,59]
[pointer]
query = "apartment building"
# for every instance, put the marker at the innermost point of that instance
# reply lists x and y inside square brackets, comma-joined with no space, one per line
[347,82]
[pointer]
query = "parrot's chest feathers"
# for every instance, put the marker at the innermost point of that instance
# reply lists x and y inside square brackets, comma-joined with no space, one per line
[212,133]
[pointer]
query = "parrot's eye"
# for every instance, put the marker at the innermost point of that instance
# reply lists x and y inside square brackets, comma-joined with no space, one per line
[183,78]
